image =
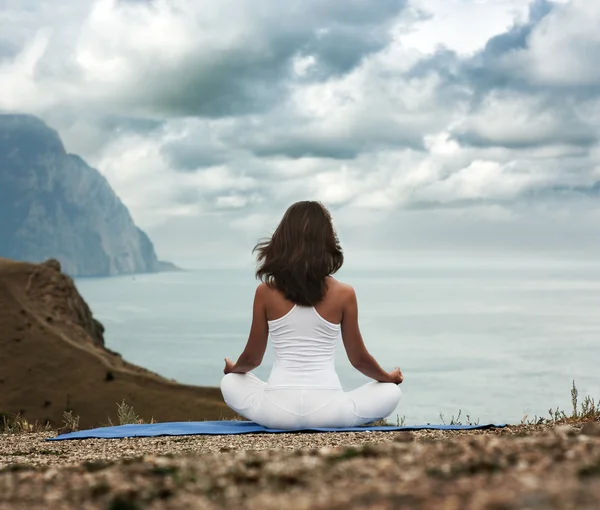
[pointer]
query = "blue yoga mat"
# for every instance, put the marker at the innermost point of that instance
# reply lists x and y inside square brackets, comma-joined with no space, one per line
[214,428]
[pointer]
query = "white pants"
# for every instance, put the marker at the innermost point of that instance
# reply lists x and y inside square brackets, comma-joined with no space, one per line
[294,408]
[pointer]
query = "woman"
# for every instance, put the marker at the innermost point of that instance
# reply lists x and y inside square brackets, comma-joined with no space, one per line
[304,310]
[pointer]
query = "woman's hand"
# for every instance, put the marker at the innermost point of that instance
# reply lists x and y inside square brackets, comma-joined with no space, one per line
[396,376]
[228,366]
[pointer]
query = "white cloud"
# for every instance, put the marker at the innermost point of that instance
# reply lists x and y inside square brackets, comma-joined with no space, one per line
[479,180]
[461,25]
[564,48]
[510,119]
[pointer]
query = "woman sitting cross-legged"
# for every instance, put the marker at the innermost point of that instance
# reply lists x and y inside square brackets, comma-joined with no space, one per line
[304,310]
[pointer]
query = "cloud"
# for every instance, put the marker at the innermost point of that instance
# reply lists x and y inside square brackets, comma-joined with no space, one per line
[182,58]
[563,49]
[415,127]
[514,120]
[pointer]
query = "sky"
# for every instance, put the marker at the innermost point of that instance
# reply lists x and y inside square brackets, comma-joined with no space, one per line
[428,127]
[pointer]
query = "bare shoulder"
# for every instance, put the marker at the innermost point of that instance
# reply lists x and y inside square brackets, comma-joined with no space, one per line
[263,291]
[342,291]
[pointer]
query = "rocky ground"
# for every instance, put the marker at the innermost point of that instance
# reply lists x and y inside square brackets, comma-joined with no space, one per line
[521,467]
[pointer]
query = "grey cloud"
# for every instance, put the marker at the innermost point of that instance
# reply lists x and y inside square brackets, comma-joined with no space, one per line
[546,194]
[213,78]
[517,36]
[89,133]
[553,121]
[488,70]
[234,86]
[136,124]
[352,12]
[7,49]
[551,114]
[579,137]
[246,79]
[566,192]
[304,140]
[315,147]
[505,61]
[510,60]
[377,119]
[195,144]
[188,196]
[190,155]
[342,48]
[252,74]
[461,81]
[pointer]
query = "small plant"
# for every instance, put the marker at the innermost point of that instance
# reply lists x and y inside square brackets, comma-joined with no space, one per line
[588,410]
[456,420]
[20,425]
[376,423]
[126,414]
[235,417]
[534,421]
[383,422]
[574,395]
[70,421]
[557,415]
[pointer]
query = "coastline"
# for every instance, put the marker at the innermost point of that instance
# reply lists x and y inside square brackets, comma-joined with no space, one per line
[54,359]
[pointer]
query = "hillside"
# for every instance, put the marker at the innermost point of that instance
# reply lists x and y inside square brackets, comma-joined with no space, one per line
[54,205]
[53,358]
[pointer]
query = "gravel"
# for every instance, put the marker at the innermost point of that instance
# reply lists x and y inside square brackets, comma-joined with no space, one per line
[524,467]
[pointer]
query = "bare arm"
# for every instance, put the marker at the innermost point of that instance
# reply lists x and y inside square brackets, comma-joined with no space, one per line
[355,347]
[254,351]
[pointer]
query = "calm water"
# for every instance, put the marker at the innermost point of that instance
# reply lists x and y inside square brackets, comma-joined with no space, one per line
[497,341]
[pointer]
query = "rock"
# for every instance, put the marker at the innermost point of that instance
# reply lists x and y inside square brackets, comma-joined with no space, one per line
[591,428]
[565,431]
[54,205]
[53,264]
[404,437]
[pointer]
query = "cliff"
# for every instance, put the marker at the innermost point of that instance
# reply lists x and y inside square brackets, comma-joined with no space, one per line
[52,359]
[54,205]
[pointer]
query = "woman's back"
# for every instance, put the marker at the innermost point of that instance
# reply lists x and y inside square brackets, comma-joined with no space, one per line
[304,345]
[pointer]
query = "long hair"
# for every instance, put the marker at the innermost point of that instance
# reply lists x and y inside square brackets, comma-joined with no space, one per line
[302,252]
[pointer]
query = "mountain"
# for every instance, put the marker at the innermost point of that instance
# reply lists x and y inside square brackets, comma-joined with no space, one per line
[53,359]
[54,205]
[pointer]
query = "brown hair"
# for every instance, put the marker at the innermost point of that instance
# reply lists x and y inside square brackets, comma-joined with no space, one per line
[302,252]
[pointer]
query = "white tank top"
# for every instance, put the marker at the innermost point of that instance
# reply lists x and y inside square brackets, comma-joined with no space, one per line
[304,344]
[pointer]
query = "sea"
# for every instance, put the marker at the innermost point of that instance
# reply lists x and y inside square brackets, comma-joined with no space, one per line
[478,342]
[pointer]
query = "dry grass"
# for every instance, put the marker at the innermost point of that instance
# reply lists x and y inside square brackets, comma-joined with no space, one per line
[587,410]
[458,420]
[70,422]
[19,425]
[126,415]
